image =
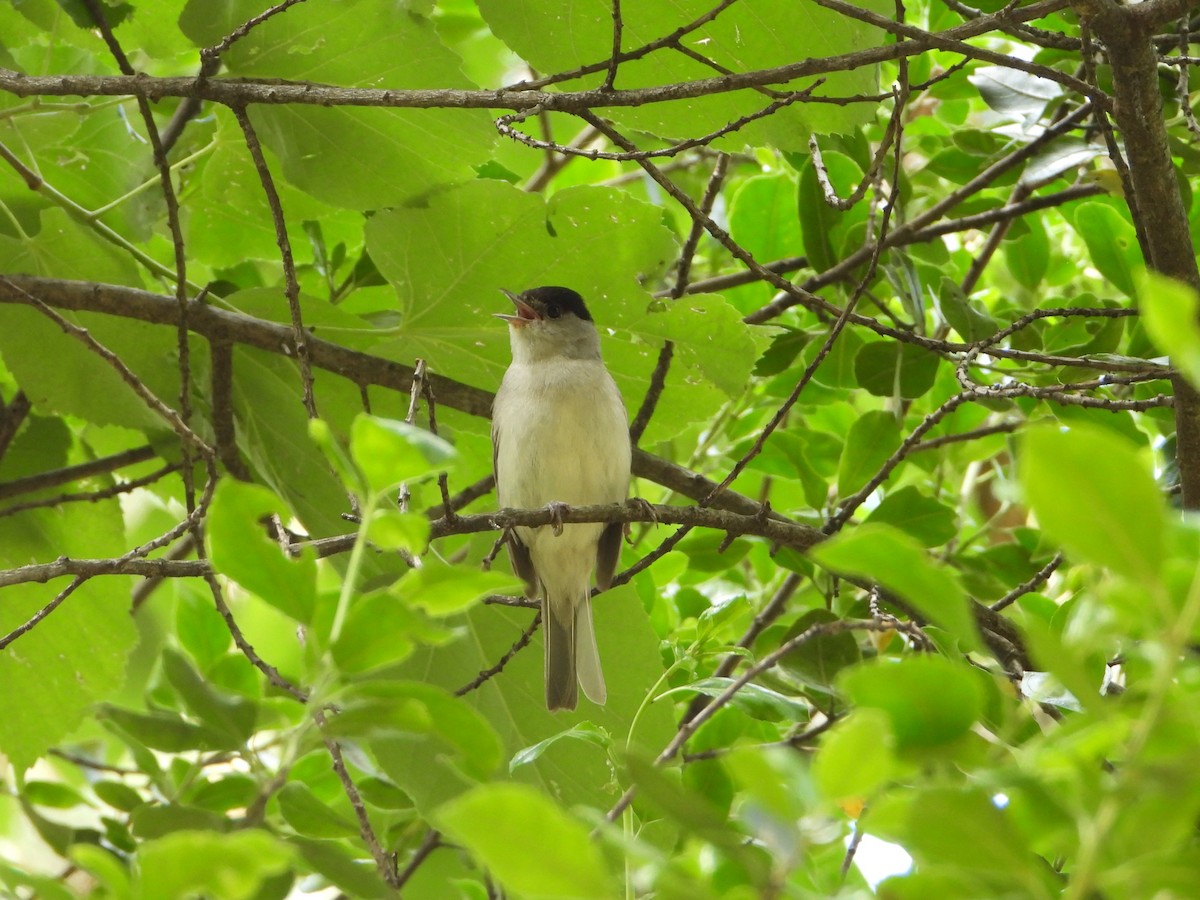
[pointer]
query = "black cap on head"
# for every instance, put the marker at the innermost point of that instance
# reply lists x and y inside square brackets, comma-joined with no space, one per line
[554,301]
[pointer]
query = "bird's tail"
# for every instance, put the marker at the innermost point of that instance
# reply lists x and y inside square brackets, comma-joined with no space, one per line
[572,658]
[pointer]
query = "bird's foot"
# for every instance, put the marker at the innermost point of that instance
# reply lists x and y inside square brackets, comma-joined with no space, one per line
[645,507]
[557,509]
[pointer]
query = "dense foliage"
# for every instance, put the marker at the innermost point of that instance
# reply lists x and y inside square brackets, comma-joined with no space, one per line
[890,292]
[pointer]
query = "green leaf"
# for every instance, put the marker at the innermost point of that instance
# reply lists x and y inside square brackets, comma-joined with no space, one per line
[930,701]
[494,822]
[223,794]
[823,226]
[962,829]
[1171,313]
[311,817]
[75,656]
[513,703]
[444,590]
[856,757]
[819,659]
[895,369]
[695,814]
[907,509]
[763,220]
[966,316]
[354,874]
[873,438]
[393,530]
[166,732]
[399,154]
[745,37]
[231,866]
[389,451]
[1112,243]
[584,731]
[240,549]
[1014,93]
[53,794]
[1028,256]
[233,716]
[900,564]
[118,795]
[753,699]
[154,821]
[447,726]
[1095,496]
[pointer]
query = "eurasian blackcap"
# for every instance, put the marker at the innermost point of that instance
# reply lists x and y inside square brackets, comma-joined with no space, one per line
[560,435]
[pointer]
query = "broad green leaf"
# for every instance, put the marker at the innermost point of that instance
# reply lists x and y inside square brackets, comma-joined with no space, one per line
[231,866]
[1095,496]
[312,817]
[895,369]
[494,823]
[393,530]
[856,757]
[399,153]
[964,830]
[388,451]
[233,222]
[223,794]
[1014,93]
[711,340]
[154,820]
[753,699]
[103,865]
[53,794]
[241,549]
[819,659]
[873,437]
[379,630]
[763,220]
[234,716]
[697,815]
[748,36]
[1112,243]
[78,654]
[930,522]
[824,227]
[167,732]
[1171,313]
[444,590]
[200,628]
[1028,256]
[968,317]
[584,731]
[513,702]
[118,795]
[900,564]
[273,435]
[929,700]
[425,716]
[353,873]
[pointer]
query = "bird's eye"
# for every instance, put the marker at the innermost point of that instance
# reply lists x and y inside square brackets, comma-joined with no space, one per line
[553,311]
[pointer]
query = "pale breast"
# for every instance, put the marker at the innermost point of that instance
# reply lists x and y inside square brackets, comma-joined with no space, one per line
[569,438]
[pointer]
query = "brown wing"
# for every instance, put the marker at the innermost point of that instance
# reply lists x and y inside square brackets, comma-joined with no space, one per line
[518,553]
[608,552]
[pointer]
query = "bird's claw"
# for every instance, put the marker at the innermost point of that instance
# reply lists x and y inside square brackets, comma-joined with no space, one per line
[645,507]
[557,509]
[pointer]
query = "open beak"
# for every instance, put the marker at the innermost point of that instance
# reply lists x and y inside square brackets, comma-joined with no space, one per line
[525,313]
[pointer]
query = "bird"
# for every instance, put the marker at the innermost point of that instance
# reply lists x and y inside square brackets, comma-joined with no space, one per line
[560,437]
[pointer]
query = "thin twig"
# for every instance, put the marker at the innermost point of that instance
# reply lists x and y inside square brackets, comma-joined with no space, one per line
[519,644]
[291,285]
